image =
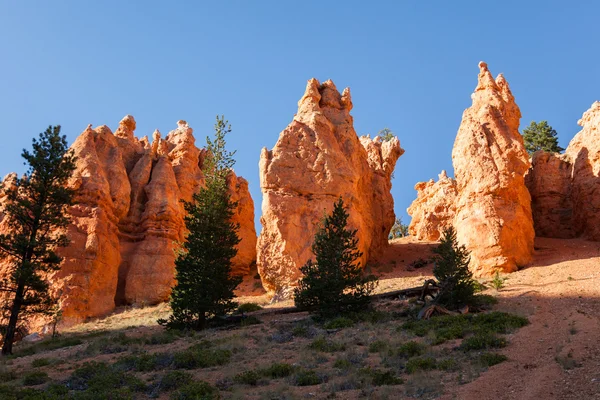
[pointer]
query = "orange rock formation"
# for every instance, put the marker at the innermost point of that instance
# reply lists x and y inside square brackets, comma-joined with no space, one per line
[493,207]
[318,158]
[434,208]
[128,214]
[564,188]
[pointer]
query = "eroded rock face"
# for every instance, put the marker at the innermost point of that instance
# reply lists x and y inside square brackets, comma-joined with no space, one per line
[434,208]
[565,188]
[493,210]
[549,183]
[584,152]
[128,215]
[317,159]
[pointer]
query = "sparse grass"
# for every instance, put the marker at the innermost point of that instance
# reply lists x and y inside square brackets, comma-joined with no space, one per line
[326,345]
[250,320]
[248,307]
[47,345]
[42,362]
[568,362]
[35,378]
[160,338]
[450,327]
[483,341]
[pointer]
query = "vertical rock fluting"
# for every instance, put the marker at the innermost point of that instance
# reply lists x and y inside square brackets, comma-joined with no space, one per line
[549,183]
[493,210]
[434,208]
[128,216]
[565,188]
[584,153]
[317,159]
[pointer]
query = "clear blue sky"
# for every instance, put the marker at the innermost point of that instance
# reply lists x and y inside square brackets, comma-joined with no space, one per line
[411,66]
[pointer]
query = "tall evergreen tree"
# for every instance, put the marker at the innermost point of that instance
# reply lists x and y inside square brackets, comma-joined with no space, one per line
[541,136]
[335,283]
[451,270]
[204,287]
[36,216]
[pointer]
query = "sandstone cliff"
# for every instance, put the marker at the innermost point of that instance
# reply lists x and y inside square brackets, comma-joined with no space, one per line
[128,215]
[317,159]
[434,208]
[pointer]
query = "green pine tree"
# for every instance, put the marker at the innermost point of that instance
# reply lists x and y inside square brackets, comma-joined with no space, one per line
[541,136]
[35,212]
[335,283]
[451,270]
[386,134]
[205,286]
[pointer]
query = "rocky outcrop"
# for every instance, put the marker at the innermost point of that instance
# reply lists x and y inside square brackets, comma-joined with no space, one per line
[549,183]
[317,159]
[564,188]
[128,216]
[493,210]
[488,204]
[434,208]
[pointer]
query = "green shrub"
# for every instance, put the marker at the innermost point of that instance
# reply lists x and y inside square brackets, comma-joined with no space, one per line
[307,378]
[326,346]
[342,363]
[411,349]
[249,377]
[174,379]
[482,341]
[100,379]
[143,362]
[447,364]
[41,362]
[498,281]
[380,378]
[198,390]
[490,359]
[278,370]
[378,346]
[420,364]
[35,378]
[338,323]
[199,357]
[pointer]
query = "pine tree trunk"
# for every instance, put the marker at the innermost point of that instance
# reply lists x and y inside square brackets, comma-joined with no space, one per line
[12,322]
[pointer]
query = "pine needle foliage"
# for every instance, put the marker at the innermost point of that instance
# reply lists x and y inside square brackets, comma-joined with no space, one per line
[35,213]
[205,286]
[541,136]
[334,284]
[451,270]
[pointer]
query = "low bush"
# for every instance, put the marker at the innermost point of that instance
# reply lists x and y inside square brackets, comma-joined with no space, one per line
[250,377]
[326,346]
[199,357]
[35,378]
[338,323]
[411,349]
[482,341]
[198,390]
[174,379]
[490,359]
[377,377]
[278,370]
[420,364]
[248,307]
[307,378]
